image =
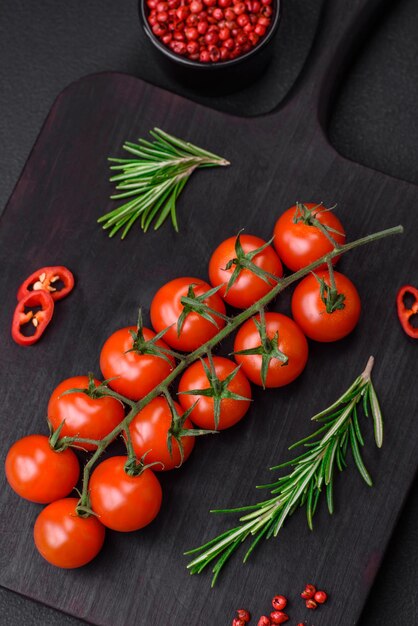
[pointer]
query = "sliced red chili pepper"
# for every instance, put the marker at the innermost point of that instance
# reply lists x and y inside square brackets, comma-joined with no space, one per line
[406,311]
[56,280]
[28,312]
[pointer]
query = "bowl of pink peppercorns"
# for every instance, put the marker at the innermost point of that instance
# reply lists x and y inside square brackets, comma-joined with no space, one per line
[212,43]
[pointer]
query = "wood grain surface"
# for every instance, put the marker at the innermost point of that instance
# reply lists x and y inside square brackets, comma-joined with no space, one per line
[141,578]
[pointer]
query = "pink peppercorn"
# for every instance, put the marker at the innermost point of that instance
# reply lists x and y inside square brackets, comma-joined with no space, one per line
[244,615]
[320,597]
[278,617]
[279,603]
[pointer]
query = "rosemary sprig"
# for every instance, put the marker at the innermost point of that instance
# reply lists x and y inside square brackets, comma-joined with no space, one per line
[311,472]
[153,180]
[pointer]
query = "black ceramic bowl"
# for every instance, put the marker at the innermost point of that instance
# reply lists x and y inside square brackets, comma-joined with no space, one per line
[223,76]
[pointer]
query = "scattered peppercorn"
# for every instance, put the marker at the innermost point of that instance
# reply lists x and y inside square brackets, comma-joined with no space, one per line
[244,615]
[311,604]
[312,597]
[309,592]
[320,597]
[279,603]
[278,617]
[210,30]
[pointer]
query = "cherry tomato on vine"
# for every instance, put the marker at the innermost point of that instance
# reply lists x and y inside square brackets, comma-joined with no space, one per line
[64,538]
[134,374]
[248,287]
[290,341]
[298,241]
[310,312]
[166,308]
[149,430]
[90,418]
[231,410]
[38,473]
[124,502]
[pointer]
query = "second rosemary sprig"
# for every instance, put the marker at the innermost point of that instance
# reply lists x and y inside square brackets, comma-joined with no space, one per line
[311,473]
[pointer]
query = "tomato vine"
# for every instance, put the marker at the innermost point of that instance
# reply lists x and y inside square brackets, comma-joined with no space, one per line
[231,325]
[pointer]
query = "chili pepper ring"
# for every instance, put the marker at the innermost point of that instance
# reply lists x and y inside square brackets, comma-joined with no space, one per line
[405,312]
[24,314]
[46,279]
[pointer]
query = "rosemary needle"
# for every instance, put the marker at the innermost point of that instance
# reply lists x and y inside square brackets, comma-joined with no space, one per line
[151,181]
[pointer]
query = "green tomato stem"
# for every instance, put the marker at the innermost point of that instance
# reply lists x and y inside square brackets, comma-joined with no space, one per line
[229,328]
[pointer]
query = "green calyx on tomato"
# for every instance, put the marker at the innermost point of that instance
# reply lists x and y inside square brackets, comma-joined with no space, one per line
[268,349]
[245,261]
[193,303]
[143,346]
[95,390]
[167,308]
[308,216]
[307,232]
[247,286]
[218,390]
[177,430]
[329,294]
[326,306]
[84,510]
[133,467]
[55,440]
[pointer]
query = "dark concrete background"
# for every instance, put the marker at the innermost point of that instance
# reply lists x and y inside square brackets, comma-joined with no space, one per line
[46,45]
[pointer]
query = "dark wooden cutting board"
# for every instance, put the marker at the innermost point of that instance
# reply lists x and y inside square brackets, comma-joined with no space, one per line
[276,159]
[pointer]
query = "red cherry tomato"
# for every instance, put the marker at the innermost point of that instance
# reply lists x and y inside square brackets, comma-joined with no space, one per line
[232,411]
[149,430]
[310,311]
[134,374]
[166,309]
[90,418]
[38,473]
[292,342]
[123,502]
[65,539]
[299,244]
[248,288]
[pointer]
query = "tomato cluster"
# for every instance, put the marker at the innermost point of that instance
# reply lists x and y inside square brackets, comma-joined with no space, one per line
[214,393]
